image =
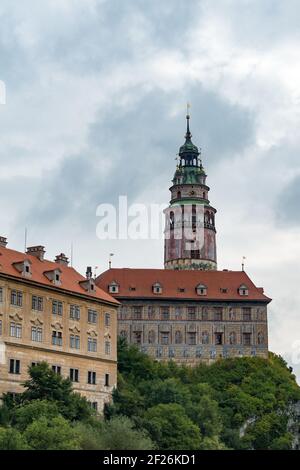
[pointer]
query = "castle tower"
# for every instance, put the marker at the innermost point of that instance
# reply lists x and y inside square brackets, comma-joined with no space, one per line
[190,233]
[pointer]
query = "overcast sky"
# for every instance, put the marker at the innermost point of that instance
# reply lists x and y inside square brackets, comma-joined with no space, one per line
[95,108]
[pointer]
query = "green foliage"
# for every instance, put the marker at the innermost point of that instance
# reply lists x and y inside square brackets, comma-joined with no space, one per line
[51,434]
[171,427]
[237,403]
[12,439]
[44,384]
[214,401]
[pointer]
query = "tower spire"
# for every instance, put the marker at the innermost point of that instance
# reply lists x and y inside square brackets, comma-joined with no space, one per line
[188,132]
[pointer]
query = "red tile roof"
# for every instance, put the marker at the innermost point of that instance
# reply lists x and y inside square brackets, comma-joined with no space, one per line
[171,281]
[70,278]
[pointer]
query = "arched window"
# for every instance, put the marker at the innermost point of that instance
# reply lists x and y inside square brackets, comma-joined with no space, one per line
[171,220]
[243,290]
[205,337]
[178,337]
[113,287]
[151,337]
[156,288]
[201,289]
[178,194]
[203,195]
[232,337]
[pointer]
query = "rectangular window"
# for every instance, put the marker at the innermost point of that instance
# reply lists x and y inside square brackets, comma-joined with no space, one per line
[91,377]
[36,334]
[37,303]
[165,313]
[92,345]
[94,405]
[107,347]
[75,341]
[107,319]
[165,338]
[57,307]
[137,337]
[246,314]
[218,338]
[1,294]
[57,338]
[106,380]
[218,314]
[14,366]
[247,339]
[34,364]
[75,312]
[0,327]
[92,316]
[16,298]
[191,338]
[57,369]
[191,313]
[16,330]
[74,375]
[137,313]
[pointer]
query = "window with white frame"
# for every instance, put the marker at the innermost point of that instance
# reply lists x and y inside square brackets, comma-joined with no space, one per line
[16,298]
[36,334]
[37,303]
[107,319]
[92,345]
[75,341]
[15,329]
[75,312]
[57,307]
[92,316]
[107,347]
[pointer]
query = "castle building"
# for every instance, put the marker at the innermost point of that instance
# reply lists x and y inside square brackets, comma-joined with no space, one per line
[49,312]
[189,312]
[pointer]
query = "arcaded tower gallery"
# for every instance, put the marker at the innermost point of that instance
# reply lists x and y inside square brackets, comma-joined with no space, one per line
[190,233]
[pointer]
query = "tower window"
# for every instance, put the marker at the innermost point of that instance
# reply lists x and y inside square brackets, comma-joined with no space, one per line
[178,194]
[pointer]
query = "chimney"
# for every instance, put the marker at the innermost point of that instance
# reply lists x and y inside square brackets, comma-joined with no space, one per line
[62,259]
[89,273]
[3,241]
[37,251]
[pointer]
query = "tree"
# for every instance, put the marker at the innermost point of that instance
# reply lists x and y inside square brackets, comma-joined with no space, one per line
[44,384]
[51,434]
[171,428]
[119,433]
[25,415]
[11,439]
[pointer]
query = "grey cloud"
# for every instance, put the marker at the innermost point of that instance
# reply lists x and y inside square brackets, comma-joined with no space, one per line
[132,150]
[287,208]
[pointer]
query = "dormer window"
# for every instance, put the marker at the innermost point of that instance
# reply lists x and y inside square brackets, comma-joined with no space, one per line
[88,285]
[156,288]
[201,289]
[113,288]
[243,290]
[54,275]
[23,267]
